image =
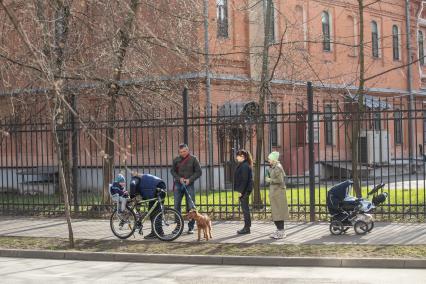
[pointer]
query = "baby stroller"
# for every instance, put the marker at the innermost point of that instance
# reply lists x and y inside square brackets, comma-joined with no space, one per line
[347,211]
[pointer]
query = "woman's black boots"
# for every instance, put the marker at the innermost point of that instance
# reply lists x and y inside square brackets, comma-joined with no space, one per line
[244,231]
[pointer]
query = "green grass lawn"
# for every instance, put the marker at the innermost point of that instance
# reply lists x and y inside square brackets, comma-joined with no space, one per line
[411,202]
[300,196]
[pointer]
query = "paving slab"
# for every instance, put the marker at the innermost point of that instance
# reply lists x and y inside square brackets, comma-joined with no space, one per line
[224,232]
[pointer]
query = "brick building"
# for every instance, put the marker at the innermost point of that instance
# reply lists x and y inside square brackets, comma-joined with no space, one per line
[314,40]
[320,43]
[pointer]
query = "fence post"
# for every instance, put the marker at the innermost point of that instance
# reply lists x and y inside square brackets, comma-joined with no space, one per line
[311,152]
[185,115]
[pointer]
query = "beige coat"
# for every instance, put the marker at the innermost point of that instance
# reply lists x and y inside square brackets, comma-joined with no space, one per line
[277,193]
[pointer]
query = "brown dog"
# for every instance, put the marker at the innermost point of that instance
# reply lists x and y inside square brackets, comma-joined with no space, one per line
[203,223]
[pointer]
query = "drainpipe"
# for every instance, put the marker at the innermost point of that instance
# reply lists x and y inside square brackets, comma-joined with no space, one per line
[411,139]
[208,97]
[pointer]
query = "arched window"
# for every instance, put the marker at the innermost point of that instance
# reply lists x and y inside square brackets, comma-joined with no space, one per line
[395,42]
[326,40]
[375,39]
[222,18]
[421,49]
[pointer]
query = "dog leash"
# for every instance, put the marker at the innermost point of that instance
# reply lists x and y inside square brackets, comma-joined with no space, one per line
[188,196]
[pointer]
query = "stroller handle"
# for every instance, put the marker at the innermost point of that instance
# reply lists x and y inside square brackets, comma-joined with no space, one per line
[376,188]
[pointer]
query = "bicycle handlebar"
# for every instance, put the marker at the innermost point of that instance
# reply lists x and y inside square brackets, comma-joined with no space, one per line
[160,190]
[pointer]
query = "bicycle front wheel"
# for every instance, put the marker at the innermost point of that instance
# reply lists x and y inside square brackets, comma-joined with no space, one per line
[168,225]
[123,225]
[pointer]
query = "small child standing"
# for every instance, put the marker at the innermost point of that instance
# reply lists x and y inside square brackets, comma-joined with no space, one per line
[119,193]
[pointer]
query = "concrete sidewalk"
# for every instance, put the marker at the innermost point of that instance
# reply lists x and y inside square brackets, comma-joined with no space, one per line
[224,232]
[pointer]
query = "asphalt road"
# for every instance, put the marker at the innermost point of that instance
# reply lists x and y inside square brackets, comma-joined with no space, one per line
[14,270]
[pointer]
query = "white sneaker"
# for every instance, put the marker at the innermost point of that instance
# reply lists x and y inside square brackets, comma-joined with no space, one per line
[274,234]
[278,235]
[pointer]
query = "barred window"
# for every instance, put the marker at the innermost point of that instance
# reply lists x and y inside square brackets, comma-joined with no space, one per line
[395,42]
[377,121]
[375,39]
[301,128]
[421,49]
[222,18]
[354,50]
[326,40]
[272,30]
[398,127]
[273,110]
[328,124]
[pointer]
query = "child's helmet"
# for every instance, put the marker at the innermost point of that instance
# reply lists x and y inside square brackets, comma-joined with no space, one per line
[120,178]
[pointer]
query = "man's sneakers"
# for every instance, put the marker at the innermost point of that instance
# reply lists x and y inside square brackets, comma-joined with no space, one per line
[150,236]
[190,231]
[278,234]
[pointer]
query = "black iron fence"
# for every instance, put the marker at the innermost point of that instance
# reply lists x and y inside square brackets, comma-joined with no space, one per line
[315,147]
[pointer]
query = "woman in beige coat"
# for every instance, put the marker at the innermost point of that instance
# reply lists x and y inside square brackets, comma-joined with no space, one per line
[277,194]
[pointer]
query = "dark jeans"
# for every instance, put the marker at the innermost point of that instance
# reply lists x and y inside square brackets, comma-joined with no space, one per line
[246,210]
[158,224]
[189,205]
[279,224]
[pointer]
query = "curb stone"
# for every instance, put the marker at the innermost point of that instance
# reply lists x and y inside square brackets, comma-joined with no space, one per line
[218,259]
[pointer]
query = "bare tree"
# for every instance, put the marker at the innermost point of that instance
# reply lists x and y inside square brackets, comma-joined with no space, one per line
[50,65]
[123,39]
[263,94]
[359,106]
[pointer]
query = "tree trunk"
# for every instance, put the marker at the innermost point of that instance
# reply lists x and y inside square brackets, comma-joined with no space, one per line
[108,166]
[60,112]
[263,93]
[124,40]
[57,121]
[359,111]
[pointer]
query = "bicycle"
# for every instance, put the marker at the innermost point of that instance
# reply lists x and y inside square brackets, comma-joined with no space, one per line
[168,223]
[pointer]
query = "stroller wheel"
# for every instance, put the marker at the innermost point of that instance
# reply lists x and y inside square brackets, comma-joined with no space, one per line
[361,227]
[336,227]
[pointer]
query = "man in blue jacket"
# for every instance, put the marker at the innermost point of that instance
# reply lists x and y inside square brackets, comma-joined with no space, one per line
[146,186]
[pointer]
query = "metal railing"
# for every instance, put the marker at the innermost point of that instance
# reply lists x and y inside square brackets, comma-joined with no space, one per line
[29,173]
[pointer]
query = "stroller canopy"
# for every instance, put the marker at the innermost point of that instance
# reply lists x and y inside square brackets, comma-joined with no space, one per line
[341,190]
[337,194]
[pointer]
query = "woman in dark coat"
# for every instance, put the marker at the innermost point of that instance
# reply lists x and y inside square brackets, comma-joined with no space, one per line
[243,183]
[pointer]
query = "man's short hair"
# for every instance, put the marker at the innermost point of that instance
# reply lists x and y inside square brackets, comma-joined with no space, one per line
[183,146]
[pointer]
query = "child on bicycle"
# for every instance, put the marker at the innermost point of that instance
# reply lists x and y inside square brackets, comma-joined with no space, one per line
[119,193]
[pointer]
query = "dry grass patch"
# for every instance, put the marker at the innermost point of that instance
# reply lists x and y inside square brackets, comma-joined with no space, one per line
[155,247]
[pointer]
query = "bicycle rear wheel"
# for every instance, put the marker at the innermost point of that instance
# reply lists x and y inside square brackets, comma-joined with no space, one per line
[168,225]
[123,225]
